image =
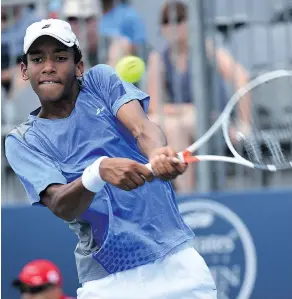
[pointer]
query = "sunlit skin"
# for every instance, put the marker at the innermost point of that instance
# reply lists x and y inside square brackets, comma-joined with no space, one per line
[48,60]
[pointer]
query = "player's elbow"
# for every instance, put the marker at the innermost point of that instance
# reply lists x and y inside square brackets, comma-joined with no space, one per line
[59,206]
[138,129]
[67,201]
[145,129]
[64,212]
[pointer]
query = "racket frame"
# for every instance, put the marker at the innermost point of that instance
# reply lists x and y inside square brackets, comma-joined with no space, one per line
[223,122]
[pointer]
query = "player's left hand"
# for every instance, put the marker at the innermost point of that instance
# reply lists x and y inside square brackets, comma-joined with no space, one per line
[165,164]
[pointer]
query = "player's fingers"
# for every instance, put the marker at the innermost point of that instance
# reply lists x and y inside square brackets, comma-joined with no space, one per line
[130,184]
[145,172]
[178,165]
[175,167]
[162,168]
[170,152]
[124,187]
[169,167]
[138,179]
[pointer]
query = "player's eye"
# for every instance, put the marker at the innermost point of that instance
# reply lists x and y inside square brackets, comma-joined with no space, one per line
[62,58]
[37,59]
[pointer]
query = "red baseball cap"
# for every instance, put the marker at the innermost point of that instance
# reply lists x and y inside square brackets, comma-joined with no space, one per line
[38,273]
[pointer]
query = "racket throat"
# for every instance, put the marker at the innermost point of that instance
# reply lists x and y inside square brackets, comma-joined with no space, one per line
[186,157]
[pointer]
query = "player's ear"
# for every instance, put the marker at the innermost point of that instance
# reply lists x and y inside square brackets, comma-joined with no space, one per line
[79,69]
[24,73]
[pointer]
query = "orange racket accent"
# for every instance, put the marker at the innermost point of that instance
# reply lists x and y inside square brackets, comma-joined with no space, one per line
[188,158]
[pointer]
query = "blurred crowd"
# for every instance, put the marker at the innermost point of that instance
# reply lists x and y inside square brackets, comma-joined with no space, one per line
[105,35]
[110,29]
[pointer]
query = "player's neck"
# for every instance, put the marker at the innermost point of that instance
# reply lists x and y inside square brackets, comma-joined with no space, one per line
[59,109]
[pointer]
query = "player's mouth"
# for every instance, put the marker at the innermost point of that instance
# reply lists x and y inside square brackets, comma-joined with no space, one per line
[49,82]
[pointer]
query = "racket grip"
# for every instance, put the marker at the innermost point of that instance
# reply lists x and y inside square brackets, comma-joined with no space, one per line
[180,156]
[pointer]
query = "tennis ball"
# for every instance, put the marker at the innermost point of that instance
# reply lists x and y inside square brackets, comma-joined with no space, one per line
[130,68]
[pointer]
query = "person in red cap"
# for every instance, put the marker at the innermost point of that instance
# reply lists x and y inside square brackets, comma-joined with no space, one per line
[40,279]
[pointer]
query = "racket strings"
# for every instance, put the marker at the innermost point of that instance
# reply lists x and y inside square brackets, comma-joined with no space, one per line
[253,150]
[268,147]
[275,149]
[265,138]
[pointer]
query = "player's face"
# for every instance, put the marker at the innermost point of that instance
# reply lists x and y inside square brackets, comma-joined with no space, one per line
[51,69]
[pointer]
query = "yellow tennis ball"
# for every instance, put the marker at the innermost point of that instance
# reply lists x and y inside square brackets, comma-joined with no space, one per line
[130,68]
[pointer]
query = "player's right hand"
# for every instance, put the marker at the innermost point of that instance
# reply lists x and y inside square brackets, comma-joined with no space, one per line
[124,173]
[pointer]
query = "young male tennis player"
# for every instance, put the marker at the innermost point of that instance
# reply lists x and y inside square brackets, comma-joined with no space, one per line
[82,154]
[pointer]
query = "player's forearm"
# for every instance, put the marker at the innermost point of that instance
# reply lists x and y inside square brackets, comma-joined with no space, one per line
[68,201]
[150,138]
[148,135]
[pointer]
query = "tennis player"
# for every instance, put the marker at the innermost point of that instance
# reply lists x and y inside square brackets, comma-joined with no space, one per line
[82,154]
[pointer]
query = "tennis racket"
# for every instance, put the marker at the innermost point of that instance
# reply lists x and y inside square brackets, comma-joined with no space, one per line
[255,139]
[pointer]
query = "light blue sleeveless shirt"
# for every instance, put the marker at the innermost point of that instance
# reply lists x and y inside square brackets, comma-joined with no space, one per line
[120,230]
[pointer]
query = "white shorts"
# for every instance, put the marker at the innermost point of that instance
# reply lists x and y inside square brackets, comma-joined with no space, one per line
[181,275]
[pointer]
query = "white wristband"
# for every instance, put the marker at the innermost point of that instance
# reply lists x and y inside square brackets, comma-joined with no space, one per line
[91,179]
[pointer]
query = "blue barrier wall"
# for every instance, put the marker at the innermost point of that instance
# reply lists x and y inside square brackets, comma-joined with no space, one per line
[246,239]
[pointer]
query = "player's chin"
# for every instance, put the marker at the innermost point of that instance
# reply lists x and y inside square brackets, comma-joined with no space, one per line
[49,93]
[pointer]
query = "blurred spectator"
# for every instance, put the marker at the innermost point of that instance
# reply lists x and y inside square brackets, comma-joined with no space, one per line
[54,8]
[120,19]
[3,100]
[21,102]
[122,24]
[40,279]
[14,21]
[19,99]
[169,71]
[83,17]
[105,45]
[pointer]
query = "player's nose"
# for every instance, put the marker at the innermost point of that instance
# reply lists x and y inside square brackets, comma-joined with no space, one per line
[49,67]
